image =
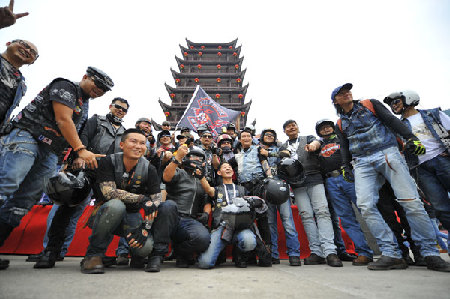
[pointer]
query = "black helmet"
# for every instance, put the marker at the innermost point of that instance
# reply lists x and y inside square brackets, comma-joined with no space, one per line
[69,189]
[321,123]
[275,191]
[191,165]
[251,129]
[261,137]
[231,126]
[101,80]
[291,170]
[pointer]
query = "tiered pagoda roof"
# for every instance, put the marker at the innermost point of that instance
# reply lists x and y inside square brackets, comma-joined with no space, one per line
[217,68]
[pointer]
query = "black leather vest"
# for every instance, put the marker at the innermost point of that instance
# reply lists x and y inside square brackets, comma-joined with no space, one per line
[309,160]
[187,193]
[105,135]
[37,119]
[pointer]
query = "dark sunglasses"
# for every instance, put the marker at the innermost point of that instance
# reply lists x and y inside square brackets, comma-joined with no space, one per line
[100,84]
[207,136]
[269,135]
[27,47]
[120,108]
[395,101]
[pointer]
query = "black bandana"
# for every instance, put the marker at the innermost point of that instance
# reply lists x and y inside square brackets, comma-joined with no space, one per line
[114,119]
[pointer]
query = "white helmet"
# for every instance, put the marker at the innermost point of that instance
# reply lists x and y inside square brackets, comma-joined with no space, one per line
[409,97]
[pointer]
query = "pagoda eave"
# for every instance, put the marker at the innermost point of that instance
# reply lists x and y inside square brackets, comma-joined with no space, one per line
[195,62]
[232,43]
[208,90]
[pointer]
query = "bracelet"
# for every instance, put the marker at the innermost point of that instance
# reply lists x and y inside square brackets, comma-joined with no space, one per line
[174,160]
[79,148]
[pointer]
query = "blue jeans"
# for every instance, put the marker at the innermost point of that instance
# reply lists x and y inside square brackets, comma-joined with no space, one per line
[292,243]
[190,236]
[113,219]
[25,164]
[338,241]
[342,194]
[245,241]
[123,248]
[370,173]
[311,201]
[434,180]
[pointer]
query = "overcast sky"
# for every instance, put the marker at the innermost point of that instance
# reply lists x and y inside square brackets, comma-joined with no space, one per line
[296,52]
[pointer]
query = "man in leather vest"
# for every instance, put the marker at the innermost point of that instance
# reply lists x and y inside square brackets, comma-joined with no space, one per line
[12,83]
[127,183]
[185,212]
[101,135]
[310,198]
[41,131]
[268,141]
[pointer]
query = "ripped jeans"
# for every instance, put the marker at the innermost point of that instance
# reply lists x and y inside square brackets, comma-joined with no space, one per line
[370,173]
[25,164]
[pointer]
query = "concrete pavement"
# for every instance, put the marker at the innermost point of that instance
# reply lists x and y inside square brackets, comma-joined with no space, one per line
[66,281]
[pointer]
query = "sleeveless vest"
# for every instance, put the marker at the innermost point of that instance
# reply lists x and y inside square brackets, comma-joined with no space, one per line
[105,136]
[36,119]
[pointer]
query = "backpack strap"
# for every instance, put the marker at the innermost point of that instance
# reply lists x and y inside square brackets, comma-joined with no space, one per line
[368,104]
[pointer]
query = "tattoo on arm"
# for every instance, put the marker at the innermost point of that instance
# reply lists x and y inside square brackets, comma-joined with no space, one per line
[156,198]
[110,191]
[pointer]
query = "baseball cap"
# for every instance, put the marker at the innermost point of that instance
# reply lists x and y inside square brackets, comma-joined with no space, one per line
[347,86]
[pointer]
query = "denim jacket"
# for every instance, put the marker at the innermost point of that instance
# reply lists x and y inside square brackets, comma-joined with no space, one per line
[365,132]
[249,165]
[20,92]
[433,122]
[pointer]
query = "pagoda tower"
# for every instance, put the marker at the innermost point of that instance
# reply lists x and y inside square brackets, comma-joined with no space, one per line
[217,68]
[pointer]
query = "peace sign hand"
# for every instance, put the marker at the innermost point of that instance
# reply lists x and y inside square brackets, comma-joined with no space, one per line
[8,17]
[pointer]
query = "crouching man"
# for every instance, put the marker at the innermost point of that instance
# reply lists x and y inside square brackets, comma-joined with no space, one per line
[184,214]
[226,231]
[127,182]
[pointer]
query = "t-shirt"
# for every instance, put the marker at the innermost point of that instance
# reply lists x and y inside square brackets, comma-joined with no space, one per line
[9,81]
[421,131]
[330,154]
[106,173]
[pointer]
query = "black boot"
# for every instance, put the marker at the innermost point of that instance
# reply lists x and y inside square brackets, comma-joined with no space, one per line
[154,264]
[5,231]
[47,260]
[240,258]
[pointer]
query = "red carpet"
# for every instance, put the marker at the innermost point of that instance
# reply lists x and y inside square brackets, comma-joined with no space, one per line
[27,238]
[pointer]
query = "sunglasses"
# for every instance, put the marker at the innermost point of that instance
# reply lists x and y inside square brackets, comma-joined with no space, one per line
[27,47]
[117,106]
[269,135]
[207,136]
[395,101]
[100,84]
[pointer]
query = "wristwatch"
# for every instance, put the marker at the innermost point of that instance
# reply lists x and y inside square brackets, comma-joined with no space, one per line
[175,161]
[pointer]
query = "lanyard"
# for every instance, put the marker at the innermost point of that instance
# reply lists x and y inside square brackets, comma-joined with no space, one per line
[226,193]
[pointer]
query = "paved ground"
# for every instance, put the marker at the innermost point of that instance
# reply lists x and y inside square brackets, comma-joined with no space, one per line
[65,281]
